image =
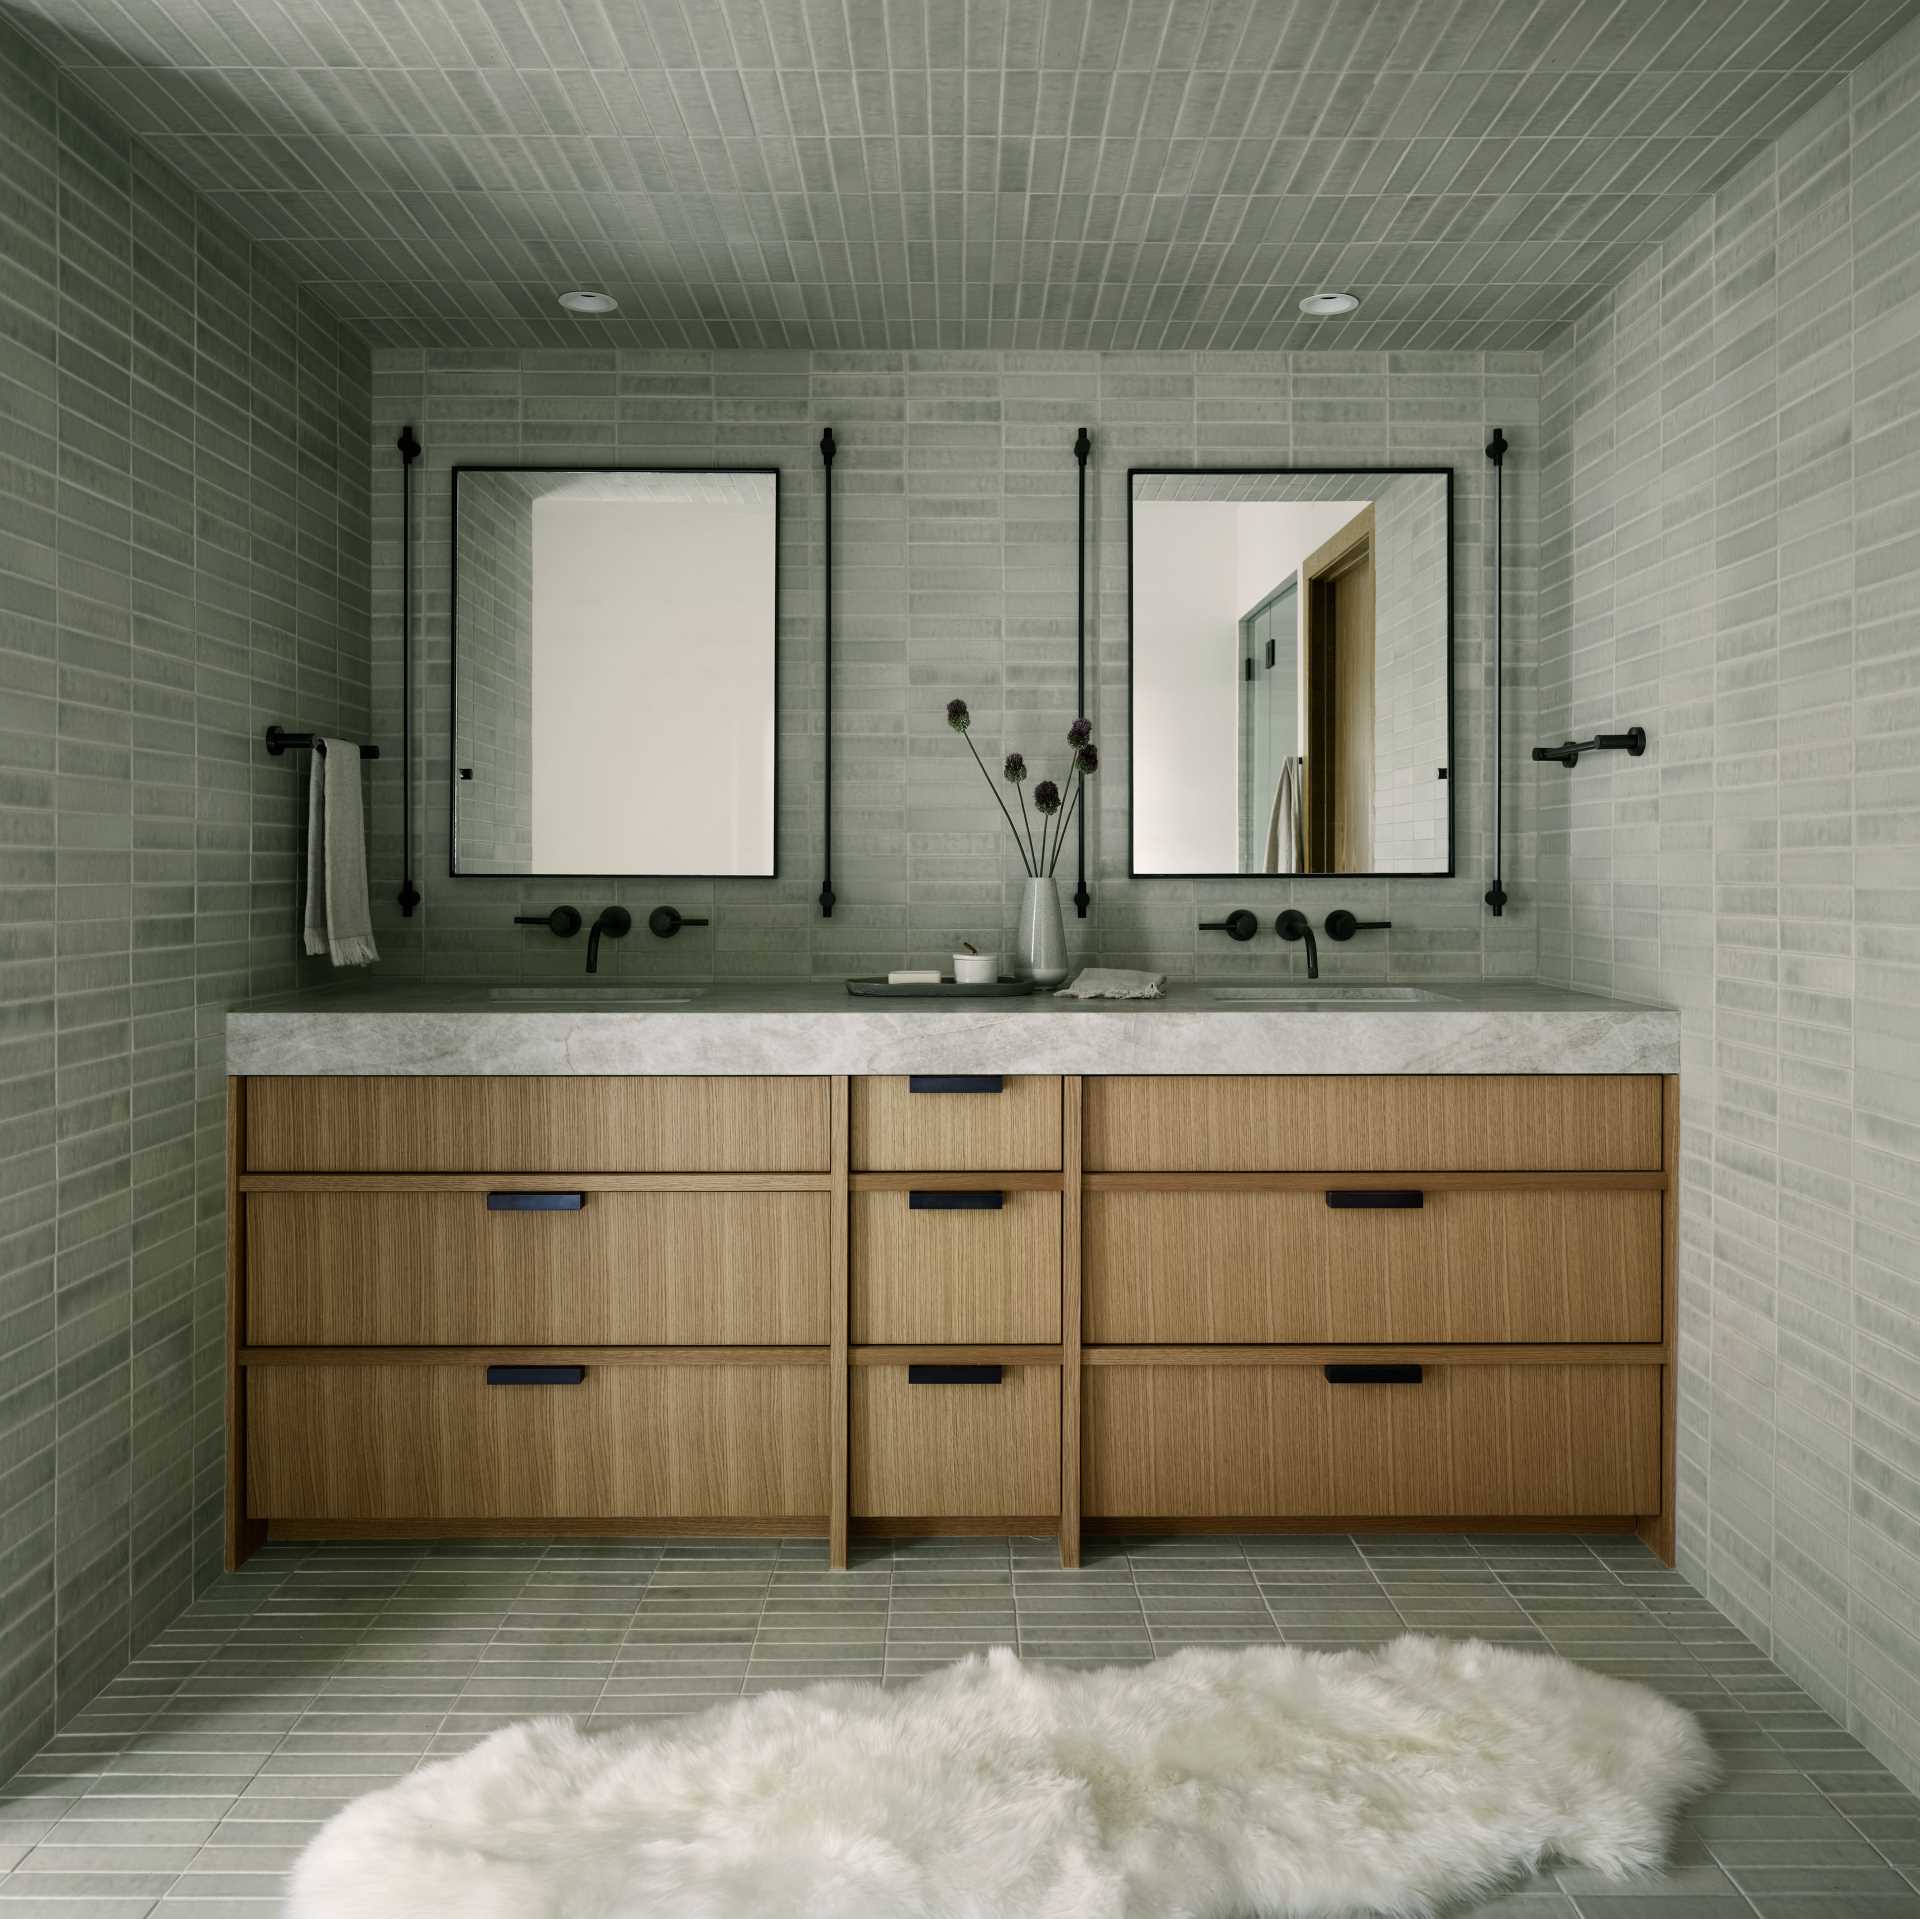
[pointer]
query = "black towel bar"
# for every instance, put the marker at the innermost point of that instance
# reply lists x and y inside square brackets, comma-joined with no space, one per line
[279,741]
[1633,741]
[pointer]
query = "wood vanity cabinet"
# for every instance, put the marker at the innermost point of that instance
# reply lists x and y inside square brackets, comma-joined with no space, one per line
[949,1303]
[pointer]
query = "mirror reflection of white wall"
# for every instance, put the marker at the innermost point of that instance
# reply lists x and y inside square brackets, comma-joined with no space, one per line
[1227,571]
[616,709]
[1201,569]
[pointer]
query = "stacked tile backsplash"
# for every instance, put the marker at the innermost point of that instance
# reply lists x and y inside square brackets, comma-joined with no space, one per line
[954,503]
[1729,559]
[183,560]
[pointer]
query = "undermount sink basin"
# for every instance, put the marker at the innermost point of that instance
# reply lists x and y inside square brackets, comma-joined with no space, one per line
[1314,994]
[611,999]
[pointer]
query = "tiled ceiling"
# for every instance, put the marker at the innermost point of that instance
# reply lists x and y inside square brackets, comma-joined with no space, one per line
[955,173]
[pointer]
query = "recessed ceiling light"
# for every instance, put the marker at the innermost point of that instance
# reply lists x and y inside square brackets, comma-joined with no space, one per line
[1321,306]
[581,301]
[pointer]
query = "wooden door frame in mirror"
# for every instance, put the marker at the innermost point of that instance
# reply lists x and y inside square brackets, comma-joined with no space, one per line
[1442,473]
[453,654]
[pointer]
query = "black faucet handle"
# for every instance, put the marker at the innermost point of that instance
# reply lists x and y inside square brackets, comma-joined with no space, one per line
[1341,925]
[1238,925]
[665,921]
[563,922]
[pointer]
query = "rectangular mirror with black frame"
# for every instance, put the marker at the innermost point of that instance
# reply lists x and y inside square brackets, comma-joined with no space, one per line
[1291,670]
[614,671]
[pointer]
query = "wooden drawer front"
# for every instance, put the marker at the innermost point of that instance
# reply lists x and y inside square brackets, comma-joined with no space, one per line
[1240,1441]
[941,1451]
[1387,1124]
[537,1125]
[627,1269]
[898,1130]
[1255,1268]
[940,1272]
[438,1442]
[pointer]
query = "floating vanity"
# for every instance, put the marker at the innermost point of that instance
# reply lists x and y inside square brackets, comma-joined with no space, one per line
[776,1261]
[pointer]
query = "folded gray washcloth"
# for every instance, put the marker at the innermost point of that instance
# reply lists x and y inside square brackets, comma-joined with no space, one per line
[1114,982]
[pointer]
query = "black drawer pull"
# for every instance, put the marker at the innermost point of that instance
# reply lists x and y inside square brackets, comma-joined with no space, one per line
[535,1202]
[956,1083]
[535,1375]
[1376,1199]
[1375,1375]
[919,1200]
[954,1375]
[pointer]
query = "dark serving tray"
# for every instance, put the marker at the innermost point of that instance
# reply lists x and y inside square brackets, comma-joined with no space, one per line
[947,989]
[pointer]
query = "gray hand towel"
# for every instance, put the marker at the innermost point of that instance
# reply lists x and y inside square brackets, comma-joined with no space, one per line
[1286,844]
[339,920]
[1113,982]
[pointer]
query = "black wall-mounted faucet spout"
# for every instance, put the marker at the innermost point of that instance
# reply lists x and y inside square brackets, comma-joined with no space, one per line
[614,921]
[1294,925]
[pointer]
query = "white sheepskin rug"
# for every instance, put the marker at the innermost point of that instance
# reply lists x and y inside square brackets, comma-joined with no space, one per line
[1210,1785]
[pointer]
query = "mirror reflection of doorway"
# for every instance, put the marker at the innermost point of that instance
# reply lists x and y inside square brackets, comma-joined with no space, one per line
[1337,642]
[1269,719]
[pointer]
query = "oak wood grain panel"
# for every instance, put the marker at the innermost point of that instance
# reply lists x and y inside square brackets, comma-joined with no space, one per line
[1253,1440]
[1384,1122]
[375,1442]
[676,1356]
[982,1451]
[628,1269]
[611,1526]
[545,1125]
[1658,1530]
[1243,1267]
[244,1535]
[955,1277]
[839,1309]
[1015,1129]
[1072,1236]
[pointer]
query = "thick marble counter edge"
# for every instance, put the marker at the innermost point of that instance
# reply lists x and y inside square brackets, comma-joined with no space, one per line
[425,1030]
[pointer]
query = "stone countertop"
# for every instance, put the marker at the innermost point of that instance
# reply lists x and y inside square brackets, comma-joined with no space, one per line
[1472,1026]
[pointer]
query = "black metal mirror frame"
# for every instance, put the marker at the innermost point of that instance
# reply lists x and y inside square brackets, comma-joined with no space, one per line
[453,659]
[1189,472]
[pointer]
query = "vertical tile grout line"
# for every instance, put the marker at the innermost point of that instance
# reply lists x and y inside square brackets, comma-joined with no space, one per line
[633,1614]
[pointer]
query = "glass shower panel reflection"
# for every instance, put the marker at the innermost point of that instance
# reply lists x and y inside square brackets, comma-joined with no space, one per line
[1270,723]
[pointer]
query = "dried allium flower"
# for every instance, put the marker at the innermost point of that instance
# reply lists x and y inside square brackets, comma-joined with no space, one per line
[1046,796]
[1016,767]
[957,715]
[1087,759]
[1080,732]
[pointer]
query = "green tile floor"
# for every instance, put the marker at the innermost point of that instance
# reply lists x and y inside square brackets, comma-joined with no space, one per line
[318,1672]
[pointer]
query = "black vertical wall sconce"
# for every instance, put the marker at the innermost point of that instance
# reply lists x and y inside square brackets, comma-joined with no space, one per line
[409,894]
[1082,448]
[1496,894]
[827,451]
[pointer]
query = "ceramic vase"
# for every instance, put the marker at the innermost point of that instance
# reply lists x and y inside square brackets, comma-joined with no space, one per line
[1042,955]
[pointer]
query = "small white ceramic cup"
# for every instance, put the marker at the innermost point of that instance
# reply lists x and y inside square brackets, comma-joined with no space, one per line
[976,969]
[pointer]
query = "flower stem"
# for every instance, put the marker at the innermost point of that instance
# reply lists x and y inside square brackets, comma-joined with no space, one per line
[1026,820]
[998,801]
[1066,815]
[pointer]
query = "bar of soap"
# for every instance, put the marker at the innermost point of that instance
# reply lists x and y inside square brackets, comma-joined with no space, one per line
[914,976]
